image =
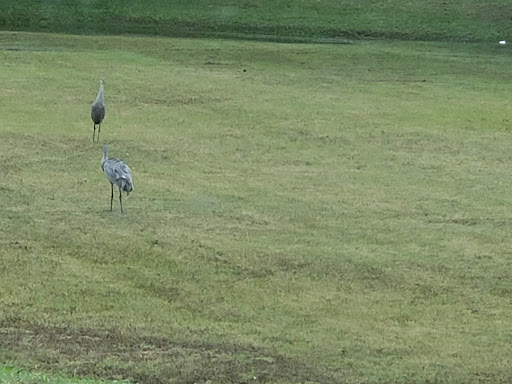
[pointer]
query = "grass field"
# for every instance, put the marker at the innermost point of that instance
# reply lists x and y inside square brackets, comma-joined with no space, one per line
[284,20]
[301,213]
[12,375]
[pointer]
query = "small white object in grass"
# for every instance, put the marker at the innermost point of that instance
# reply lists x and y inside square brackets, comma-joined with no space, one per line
[503,42]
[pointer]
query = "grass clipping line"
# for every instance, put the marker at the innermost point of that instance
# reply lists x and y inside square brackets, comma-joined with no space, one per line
[114,355]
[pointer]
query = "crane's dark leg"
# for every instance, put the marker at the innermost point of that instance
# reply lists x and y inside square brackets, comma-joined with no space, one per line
[99,129]
[121,200]
[111,197]
[93,132]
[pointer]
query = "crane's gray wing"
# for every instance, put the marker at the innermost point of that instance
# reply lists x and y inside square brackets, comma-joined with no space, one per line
[119,173]
[122,169]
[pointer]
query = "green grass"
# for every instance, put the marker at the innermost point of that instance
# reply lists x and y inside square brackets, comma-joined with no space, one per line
[301,213]
[12,375]
[285,20]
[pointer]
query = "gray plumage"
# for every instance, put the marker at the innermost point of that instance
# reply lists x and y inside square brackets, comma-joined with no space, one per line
[98,111]
[117,173]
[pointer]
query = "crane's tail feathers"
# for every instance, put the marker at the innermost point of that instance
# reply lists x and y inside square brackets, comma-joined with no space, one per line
[127,185]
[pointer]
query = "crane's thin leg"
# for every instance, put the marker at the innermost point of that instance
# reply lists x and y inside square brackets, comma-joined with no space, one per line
[111,197]
[93,132]
[99,129]
[121,200]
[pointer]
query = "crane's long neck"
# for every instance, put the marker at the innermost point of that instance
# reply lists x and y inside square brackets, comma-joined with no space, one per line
[99,98]
[105,156]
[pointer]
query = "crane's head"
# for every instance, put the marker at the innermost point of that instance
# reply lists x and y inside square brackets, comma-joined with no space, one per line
[102,81]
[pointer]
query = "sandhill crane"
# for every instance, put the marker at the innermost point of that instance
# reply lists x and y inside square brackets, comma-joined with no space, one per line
[117,173]
[98,111]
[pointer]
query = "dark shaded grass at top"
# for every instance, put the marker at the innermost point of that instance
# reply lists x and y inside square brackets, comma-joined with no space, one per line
[287,21]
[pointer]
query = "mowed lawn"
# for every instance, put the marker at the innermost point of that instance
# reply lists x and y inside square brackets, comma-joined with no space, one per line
[301,213]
